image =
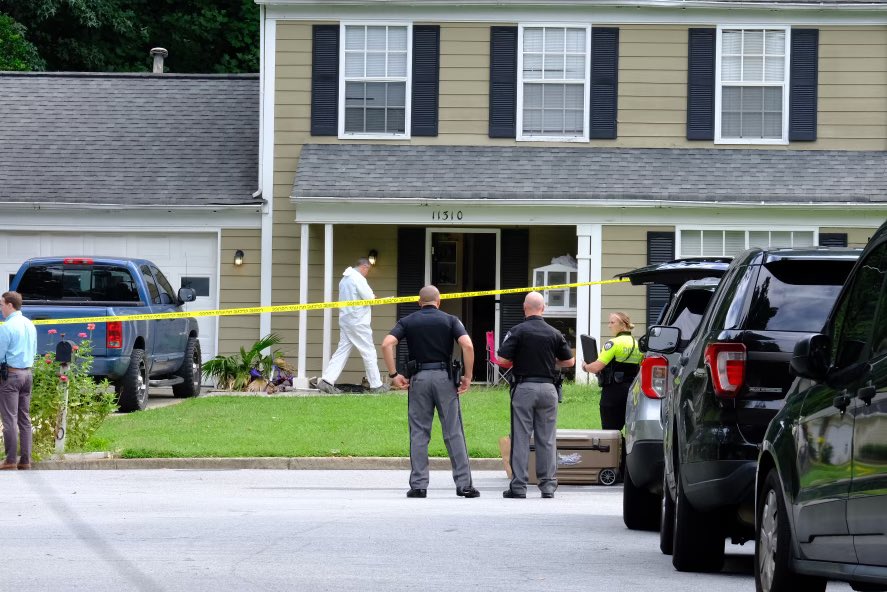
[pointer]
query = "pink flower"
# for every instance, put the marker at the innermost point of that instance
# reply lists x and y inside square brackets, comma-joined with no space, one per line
[75,347]
[81,335]
[52,331]
[63,378]
[48,361]
[90,326]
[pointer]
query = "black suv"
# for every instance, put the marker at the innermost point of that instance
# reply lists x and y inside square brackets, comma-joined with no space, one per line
[822,474]
[728,385]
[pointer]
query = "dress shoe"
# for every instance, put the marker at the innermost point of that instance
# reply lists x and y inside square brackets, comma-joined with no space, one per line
[512,495]
[417,493]
[467,492]
[547,494]
[8,467]
[24,466]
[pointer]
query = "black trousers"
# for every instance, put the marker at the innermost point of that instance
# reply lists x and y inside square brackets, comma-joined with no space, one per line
[613,400]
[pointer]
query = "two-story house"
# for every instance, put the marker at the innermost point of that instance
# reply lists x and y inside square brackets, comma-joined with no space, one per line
[469,143]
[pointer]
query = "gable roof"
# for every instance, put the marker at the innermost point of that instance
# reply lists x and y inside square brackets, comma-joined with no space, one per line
[556,174]
[130,140]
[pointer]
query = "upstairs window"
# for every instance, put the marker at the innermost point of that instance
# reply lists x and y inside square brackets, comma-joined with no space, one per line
[751,91]
[553,91]
[375,87]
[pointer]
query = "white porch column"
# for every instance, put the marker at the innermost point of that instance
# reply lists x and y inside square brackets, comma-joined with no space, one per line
[588,298]
[301,378]
[327,291]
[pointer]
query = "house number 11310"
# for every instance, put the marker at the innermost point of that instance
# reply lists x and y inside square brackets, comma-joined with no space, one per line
[446,215]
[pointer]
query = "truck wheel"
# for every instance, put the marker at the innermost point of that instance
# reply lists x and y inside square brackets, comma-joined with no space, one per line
[132,391]
[190,371]
[773,571]
[640,508]
[666,521]
[698,536]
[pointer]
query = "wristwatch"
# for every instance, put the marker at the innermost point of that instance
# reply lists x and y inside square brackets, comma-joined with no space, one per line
[393,374]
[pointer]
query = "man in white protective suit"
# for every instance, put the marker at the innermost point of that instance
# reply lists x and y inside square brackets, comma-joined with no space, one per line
[354,331]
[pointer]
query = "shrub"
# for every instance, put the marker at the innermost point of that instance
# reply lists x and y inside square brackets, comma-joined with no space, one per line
[234,372]
[89,403]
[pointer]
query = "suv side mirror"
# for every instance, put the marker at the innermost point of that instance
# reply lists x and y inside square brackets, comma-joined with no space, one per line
[187,295]
[811,357]
[663,340]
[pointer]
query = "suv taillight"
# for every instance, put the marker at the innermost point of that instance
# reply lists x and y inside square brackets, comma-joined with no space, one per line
[114,335]
[726,361]
[654,376]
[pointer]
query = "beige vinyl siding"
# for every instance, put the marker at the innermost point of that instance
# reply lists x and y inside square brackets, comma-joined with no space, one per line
[856,237]
[624,249]
[547,242]
[239,287]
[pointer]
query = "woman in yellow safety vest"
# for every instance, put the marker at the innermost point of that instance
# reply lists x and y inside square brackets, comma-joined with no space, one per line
[616,366]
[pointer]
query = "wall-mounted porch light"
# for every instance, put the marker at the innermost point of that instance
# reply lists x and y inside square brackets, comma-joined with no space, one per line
[372,257]
[238,258]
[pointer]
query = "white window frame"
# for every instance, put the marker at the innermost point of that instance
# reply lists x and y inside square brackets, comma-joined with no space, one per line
[679,230]
[784,84]
[520,136]
[343,135]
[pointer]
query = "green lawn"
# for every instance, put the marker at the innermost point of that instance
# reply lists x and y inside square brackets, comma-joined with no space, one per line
[315,426]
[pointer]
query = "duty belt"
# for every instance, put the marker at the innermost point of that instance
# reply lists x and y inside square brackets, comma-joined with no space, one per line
[539,379]
[434,366]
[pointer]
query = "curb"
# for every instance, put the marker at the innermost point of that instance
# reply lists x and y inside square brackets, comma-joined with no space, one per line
[321,463]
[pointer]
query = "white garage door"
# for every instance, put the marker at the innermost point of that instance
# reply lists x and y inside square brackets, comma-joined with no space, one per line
[190,257]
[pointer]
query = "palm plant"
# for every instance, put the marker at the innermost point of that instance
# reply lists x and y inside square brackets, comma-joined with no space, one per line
[233,372]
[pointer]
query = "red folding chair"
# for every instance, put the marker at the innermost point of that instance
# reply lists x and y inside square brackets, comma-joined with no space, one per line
[496,373]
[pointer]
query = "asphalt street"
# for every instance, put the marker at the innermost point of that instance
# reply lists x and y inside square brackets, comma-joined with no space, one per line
[170,530]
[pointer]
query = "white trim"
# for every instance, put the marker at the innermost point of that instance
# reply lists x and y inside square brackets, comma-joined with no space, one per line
[719,84]
[112,220]
[521,136]
[301,380]
[588,298]
[327,293]
[627,12]
[218,289]
[343,135]
[266,168]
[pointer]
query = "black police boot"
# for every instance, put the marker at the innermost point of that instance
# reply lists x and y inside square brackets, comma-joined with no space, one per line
[508,493]
[547,494]
[417,493]
[467,492]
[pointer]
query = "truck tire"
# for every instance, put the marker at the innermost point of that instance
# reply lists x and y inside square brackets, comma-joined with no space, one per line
[190,371]
[698,536]
[640,508]
[132,390]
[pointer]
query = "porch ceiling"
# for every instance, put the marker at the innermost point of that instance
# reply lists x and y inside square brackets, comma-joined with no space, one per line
[503,174]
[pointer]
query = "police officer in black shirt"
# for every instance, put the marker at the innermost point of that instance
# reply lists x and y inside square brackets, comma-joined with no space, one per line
[430,334]
[536,351]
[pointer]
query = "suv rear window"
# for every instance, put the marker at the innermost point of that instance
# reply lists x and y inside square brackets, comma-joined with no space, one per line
[687,311]
[796,295]
[78,283]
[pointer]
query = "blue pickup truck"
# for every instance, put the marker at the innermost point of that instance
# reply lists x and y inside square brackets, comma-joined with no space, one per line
[132,355]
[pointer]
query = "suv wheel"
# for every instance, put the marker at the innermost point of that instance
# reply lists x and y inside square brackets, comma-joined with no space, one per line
[190,371]
[640,508]
[666,520]
[773,545]
[132,391]
[698,536]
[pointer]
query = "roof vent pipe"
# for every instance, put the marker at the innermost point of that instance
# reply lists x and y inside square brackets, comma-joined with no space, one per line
[159,53]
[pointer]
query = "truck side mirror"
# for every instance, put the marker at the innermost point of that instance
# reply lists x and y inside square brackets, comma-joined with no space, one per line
[187,295]
[663,340]
[811,358]
[64,352]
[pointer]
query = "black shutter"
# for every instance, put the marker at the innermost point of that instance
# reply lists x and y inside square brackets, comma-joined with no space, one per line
[515,268]
[426,80]
[660,249]
[503,82]
[832,239]
[410,276]
[325,81]
[701,85]
[604,82]
[803,85]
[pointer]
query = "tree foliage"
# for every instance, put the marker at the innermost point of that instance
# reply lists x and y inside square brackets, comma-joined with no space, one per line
[16,52]
[213,36]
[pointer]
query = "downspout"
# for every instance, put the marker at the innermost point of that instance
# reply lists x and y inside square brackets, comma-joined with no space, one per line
[268,34]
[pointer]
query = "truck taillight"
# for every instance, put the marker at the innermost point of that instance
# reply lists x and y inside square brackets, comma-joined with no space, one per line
[726,362]
[654,377]
[77,261]
[114,335]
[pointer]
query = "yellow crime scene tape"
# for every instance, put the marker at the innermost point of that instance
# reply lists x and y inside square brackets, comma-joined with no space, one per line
[227,312]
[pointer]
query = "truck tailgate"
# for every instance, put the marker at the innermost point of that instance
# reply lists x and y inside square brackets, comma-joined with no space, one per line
[47,341]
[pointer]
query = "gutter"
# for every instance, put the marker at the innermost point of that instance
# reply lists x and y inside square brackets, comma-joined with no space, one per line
[59,205]
[833,5]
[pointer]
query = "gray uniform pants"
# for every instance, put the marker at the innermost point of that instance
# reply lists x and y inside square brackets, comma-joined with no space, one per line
[15,408]
[534,411]
[430,389]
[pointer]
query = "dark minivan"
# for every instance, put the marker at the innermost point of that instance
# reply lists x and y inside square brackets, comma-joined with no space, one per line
[728,384]
[822,474]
